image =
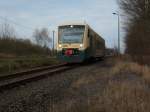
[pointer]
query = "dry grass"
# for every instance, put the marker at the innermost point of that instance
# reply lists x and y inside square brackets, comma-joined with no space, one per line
[83,81]
[131,67]
[124,97]
[117,96]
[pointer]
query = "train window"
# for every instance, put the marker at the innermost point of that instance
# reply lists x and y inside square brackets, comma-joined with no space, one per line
[70,34]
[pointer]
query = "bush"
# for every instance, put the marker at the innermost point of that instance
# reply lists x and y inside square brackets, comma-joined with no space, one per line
[12,47]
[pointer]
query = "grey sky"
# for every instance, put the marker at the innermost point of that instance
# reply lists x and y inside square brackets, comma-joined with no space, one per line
[31,14]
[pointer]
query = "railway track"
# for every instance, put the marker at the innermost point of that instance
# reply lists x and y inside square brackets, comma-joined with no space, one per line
[17,79]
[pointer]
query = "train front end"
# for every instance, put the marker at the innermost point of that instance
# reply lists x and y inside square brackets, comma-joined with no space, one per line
[70,46]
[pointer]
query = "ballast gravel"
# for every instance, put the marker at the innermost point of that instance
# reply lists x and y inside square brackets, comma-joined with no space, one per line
[46,94]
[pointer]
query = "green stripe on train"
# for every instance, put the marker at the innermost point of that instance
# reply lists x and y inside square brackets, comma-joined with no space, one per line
[83,55]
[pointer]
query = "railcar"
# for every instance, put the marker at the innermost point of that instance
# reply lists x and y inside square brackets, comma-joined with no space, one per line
[78,42]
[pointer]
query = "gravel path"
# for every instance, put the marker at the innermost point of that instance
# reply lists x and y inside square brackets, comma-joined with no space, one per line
[73,87]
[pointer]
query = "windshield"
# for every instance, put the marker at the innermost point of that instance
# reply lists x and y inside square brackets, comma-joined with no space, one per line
[71,34]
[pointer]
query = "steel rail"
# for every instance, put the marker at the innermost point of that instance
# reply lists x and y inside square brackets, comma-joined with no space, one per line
[33,74]
[16,79]
[38,69]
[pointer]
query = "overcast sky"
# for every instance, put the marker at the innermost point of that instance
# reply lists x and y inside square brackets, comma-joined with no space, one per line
[26,15]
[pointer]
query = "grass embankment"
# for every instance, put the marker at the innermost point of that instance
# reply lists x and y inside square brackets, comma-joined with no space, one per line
[123,67]
[126,90]
[8,66]
[127,95]
[20,54]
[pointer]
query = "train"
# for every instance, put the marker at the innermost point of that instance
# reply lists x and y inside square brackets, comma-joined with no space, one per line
[78,42]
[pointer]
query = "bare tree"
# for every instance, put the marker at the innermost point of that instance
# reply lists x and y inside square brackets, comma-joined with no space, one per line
[41,37]
[6,30]
[138,28]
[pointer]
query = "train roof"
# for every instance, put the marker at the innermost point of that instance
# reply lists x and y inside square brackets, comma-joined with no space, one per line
[73,23]
[96,34]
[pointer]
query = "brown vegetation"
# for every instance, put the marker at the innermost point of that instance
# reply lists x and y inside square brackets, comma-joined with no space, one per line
[12,46]
[124,97]
[126,90]
[19,54]
[19,47]
[41,37]
[132,67]
[137,27]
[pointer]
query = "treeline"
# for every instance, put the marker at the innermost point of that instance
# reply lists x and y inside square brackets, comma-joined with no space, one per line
[137,40]
[12,46]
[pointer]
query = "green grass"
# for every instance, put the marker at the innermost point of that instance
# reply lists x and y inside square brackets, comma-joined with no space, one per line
[12,65]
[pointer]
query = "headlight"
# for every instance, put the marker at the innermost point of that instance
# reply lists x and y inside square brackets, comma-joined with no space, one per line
[81,45]
[60,45]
